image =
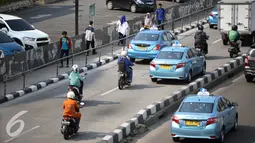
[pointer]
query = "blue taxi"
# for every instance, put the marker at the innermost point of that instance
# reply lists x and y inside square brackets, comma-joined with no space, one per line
[204,116]
[213,18]
[147,44]
[177,62]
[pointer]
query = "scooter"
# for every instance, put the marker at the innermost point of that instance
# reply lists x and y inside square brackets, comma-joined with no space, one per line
[200,48]
[123,79]
[76,90]
[68,126]
[233,49]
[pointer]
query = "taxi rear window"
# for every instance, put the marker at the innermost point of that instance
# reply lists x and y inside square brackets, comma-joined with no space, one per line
[170,55]
[196,107]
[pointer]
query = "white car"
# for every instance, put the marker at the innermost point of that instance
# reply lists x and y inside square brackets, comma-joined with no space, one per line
[22,32]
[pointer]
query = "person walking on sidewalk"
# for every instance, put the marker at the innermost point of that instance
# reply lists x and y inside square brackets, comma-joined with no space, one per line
[90,38]
[65,46]
[122,29]
[148,21]
[160,15]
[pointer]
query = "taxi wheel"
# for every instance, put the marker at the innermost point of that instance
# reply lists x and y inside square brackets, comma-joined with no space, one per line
[154,79]
[236,124]
[204,69]
[222,136]
[189,78]
[176,139]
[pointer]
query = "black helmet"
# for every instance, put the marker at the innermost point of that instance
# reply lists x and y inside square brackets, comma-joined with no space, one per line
[200,27]
[234,27]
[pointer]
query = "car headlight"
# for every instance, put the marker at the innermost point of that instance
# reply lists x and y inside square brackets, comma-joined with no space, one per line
[28,39]
[140,2]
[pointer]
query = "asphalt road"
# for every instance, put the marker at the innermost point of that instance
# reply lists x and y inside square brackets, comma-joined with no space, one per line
[54,18]
[237,90]
[106,106]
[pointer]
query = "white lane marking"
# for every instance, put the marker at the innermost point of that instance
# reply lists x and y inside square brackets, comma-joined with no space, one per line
[109,91]
[217,41]
[22,134]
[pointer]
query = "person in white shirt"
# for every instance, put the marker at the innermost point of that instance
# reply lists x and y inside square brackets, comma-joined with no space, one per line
[90,38]
[148,20]
[122,29]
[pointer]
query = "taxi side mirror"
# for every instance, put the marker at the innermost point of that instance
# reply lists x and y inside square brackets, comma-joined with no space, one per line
[234,104]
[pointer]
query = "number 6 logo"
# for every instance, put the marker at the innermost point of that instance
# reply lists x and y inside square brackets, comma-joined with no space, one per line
[14,121]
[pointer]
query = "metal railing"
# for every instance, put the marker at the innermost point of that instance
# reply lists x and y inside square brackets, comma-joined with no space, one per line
[186,20]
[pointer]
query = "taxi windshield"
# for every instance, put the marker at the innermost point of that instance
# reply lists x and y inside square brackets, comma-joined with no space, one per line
[196,107]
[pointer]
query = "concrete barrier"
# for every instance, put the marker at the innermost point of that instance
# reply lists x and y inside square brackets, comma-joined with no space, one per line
[14,65]
[15,5]
[158,108]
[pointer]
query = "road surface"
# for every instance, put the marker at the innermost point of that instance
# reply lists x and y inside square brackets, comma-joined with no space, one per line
[237,90]
[106,106]
[54,18]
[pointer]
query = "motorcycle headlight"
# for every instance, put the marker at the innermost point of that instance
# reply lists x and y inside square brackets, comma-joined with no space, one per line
[28,39]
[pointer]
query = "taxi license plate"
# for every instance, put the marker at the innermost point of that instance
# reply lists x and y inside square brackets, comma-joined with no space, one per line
[165,66]
[192,123]
[142,48]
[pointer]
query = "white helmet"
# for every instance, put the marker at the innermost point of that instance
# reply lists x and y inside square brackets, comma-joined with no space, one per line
[123,53]
[71,95]
[75,68]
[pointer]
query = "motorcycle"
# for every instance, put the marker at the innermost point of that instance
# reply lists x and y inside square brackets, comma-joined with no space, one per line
[76,90]
[200,48]
[123,79]
[233,49]
[68,126]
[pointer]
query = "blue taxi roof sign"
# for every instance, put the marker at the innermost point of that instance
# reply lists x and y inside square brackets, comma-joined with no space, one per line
[177,44]
[203,92]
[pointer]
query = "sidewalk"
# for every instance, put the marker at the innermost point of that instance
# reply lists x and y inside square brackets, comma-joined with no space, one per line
[51,71]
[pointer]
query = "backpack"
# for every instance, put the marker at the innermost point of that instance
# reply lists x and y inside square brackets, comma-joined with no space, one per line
[121,65]
[232,35]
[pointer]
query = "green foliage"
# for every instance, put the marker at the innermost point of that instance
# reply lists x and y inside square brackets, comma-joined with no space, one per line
[5,2]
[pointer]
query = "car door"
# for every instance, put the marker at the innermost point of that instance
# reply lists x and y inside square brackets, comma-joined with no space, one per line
[125,4]
[117,3]
[170,38]
[164,40]
[231,112]
[223,113]
[199,63]
[191,62]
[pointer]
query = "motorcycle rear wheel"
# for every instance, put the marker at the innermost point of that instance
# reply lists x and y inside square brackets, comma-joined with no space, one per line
[65,133]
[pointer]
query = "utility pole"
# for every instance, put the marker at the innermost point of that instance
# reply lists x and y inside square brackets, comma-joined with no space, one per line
[76,17]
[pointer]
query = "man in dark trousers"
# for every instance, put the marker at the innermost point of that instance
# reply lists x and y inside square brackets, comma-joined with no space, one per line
[65,46]
[90,38]
[160,16]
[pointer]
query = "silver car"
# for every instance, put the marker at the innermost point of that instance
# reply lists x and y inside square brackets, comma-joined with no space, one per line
[249,65]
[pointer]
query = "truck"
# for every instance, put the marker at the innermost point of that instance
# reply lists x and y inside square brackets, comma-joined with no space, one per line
[240,13]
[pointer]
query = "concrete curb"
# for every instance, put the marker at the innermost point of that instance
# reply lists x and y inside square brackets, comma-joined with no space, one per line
[43,84]
[40,85]
[143,115]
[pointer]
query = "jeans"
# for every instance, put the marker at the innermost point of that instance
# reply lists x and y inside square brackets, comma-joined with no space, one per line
[161,27]
[66,53]
[92,43]
[130,74]
[81,87]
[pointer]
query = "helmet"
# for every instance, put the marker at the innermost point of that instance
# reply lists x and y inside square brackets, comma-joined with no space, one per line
[234,27]
[70,94]
[123,53]
[75,68]
[200,27]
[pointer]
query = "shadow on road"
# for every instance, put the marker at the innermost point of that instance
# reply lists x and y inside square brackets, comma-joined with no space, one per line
[97,102]
[216,57]
[142,86]
[88,136]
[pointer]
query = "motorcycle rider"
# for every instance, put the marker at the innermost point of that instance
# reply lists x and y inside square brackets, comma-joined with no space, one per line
[124,59]
[200,38]
[71,108]
[234,37]
[76,79]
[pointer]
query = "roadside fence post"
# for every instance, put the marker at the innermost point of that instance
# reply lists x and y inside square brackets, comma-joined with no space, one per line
[205,14]
[172,25]
[72,57]
[197,19]
[24,80]
[182,22]
[4,79]
[112,49]
[86,57]
[57,68]
[99,59]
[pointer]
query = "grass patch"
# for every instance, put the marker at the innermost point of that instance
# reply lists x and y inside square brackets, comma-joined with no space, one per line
[5,2]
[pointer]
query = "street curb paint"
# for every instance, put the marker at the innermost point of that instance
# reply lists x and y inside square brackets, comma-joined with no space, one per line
[43,84]
[126,128]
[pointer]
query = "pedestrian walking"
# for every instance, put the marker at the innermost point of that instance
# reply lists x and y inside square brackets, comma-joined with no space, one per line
[148,20]
[160,15]
[122,29]
[90,38]
[65,47]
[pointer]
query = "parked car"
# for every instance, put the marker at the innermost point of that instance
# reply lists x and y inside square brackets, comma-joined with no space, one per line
[204,117]
[249,65]
[180,63]
[22,32]
[146,44]
[213,18]
[8,46]
[132,5]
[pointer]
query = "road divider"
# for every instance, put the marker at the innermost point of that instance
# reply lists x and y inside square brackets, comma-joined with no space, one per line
[148,115]
[43,84]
